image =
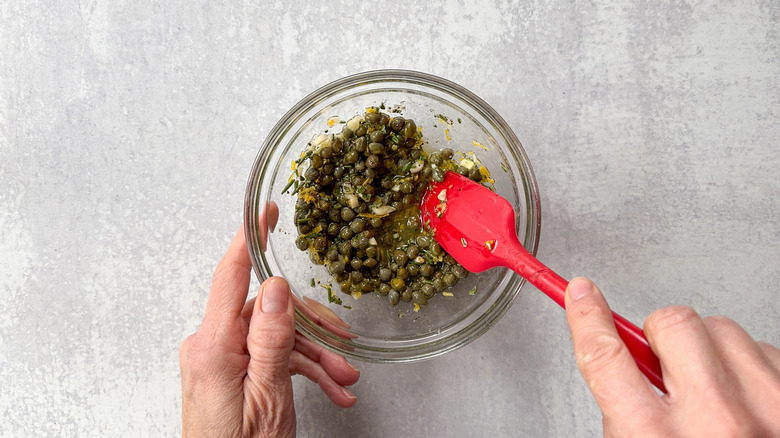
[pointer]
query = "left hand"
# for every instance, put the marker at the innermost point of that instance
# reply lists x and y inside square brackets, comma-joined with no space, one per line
[236,370]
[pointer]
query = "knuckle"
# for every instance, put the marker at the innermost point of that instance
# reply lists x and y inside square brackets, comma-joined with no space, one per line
[599,351]
[671,318]
[718,322]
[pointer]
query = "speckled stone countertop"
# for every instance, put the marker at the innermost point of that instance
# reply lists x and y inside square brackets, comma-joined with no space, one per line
[128,129]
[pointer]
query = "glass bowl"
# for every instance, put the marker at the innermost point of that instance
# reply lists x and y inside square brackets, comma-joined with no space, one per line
[369,328]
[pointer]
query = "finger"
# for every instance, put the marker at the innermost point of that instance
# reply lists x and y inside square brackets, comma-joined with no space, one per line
[337,367]
[735,346]
[772,354]
[609,370]
[338,394]
[230,285]
[271,333]
[749,366]
[689,361]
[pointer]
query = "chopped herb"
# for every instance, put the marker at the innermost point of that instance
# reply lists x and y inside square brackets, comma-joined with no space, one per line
[287,187]
[463,241]
[473,290]
[297,186]
[504,168]
[312,282]
[331,297]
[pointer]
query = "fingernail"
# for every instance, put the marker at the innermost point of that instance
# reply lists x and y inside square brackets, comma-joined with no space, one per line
[579,287]
[348,393]
[275,296]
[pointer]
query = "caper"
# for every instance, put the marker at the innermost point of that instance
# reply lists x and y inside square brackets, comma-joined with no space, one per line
[372,117]
[423,241]
[393,297]
[397,124]
[376,136]
[370,262]
[372,162]
[397,284]
[407,187]
[400,257]
[352,157]
[316,161]
[357,225]
[426,270]
[406,295]
[346,233]
[356,263]
[326,180]
[355,277]
[384,288]
[304,228]
[345,248]
[326,152]
[347,214]
[311,174]
[450,280]
[419,298]
[333,229]
[302,243]
[438,174]
[360,144]
[332,255]
[447,153]
[428,290]
[346,133]
[320,243]
[376,148]
[402,273]
[410,128]
[385,274]
[361,131]
[337,267]
[460,271]
[384,119]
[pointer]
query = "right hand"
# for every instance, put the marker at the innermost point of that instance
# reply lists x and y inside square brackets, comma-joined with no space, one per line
[720,381]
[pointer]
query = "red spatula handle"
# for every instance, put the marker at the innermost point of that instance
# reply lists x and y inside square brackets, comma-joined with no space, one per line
[554,286]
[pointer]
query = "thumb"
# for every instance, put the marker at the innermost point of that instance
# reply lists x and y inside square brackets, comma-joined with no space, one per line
[271,335]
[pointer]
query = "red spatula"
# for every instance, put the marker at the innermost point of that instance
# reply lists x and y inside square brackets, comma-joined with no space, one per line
[477,228]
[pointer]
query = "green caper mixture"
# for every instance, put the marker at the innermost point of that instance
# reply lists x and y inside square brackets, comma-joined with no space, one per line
[357,209]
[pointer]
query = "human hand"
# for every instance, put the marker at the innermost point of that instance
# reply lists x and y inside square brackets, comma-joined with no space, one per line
[720,381]
[236,370]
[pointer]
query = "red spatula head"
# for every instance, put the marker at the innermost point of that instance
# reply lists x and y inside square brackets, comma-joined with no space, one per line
[472,223]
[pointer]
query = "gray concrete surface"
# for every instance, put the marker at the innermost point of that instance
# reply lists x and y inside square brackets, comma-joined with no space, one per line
[128,128]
